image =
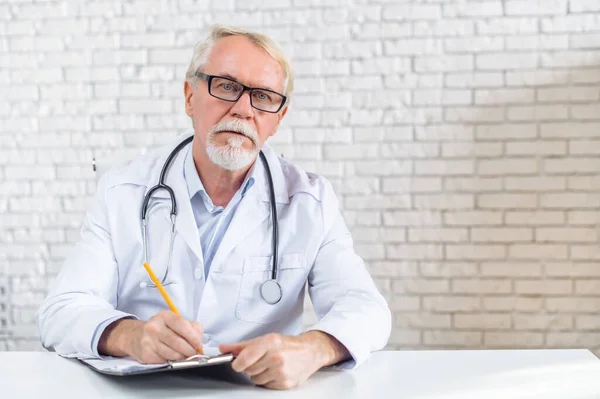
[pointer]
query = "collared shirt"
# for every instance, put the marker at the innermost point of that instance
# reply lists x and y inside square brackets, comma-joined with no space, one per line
[212,221]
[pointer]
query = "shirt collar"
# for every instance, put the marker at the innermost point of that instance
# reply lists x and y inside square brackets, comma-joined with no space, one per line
[194,184]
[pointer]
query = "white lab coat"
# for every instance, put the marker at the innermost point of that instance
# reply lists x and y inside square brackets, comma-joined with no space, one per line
[102,279]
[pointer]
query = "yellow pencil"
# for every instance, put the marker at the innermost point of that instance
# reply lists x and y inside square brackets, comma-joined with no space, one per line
[163,292]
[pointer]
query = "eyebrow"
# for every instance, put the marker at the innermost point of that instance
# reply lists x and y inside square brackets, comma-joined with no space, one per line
[229,76]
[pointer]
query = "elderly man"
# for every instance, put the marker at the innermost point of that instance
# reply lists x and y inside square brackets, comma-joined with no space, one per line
[233,232]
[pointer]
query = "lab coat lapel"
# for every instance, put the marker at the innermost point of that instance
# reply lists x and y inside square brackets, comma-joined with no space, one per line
[249,215]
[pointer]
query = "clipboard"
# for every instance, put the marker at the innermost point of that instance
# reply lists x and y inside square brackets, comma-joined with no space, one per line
[130,367]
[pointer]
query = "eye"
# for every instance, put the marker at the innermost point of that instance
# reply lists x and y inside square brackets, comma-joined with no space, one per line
[261,95]
[227,86]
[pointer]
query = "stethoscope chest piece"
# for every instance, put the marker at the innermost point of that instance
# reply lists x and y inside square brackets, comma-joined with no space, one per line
[270,291]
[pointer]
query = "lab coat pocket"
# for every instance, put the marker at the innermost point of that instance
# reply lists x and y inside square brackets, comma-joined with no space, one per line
[292,275]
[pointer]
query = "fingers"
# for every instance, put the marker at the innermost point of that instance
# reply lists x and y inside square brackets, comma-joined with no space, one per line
[177,344]
[166,352]
[188,331]
[248,356]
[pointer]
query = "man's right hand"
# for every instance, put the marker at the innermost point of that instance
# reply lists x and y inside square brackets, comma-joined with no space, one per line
[166,336]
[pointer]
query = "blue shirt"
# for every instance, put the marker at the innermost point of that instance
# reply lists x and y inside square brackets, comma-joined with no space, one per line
[212,221]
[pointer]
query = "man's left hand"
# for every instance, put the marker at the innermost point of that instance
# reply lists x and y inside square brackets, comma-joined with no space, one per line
[281,362]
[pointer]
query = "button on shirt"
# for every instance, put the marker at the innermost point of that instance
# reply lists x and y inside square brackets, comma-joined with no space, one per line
[212,221]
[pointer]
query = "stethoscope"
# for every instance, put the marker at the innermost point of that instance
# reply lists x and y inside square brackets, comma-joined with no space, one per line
[270,289]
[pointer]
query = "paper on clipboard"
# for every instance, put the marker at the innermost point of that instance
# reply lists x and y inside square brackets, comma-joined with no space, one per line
[128,366]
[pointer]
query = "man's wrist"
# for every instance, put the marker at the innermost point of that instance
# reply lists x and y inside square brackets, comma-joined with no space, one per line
[115,338]
[326,347]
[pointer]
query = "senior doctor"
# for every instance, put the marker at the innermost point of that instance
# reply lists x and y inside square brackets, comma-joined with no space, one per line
[237,91]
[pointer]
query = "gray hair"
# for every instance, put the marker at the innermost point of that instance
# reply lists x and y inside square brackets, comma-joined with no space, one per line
[216,32]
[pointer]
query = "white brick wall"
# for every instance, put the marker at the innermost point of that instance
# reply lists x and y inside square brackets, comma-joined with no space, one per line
[462,137]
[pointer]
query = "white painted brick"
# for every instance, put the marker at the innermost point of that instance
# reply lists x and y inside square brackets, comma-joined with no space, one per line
[587,287]
[570,23]
[379,99]
[454,303]
[421,286]
[414,251]
[378,202]
[447,269]
[538,183]
[381,133]
[571,305]
[585,112]
[585,218]
[584,147]
[474,114]
[536,78]
[535,7]
[534,218]
[475,252]
[422,321]
[506,201]
[569,130]
[411,80]
[507,26]
[543,322]
[412,218]
[511,340]
[370,252]
[537,42]
[360,185]
[504,96]
[481,286]
[411,12]
[444,28]
[568,94]
[415,47]
[540,148]
[482,321]
[587,75]
[405,337]
[150,106]
[577,6]
[443,201]
[437,97]
[537,251]
[404,303]
[356,151]
[333,32]
[461,150]
[584,252]
[513,303]
[587,322]
[570,59]
[383,168]
[468,218]
[537,113]
[382,30]
[444,167]
[393,235]
[513,166]
[451,339]
[447,132]
[544,287]
[437,235]
[484,8]
[506,61]
[474,44]
[414,115]
[571,165]
[474,79]
[472,184]
[443,63]
[387,269]
[352,49]
[410,150]
[501,234]
[411,184]
[510,269]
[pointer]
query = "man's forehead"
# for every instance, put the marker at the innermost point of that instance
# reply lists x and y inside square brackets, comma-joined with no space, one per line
[238,58]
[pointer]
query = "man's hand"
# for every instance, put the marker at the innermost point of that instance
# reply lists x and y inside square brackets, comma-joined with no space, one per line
[281,362]
[166,336]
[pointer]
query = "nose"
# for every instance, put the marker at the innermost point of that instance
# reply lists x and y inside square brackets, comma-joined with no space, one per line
[242,108]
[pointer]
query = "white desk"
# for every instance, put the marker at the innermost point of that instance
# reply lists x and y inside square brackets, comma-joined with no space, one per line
[509,374]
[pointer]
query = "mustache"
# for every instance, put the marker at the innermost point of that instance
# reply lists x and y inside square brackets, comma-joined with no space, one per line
[235,125]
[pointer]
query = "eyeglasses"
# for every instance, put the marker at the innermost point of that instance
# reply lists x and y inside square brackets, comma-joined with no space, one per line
[230,90]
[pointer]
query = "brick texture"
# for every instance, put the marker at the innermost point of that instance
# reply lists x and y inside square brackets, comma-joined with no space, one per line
[462,138]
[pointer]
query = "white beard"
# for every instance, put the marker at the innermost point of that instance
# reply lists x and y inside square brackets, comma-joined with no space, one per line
[232,156]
